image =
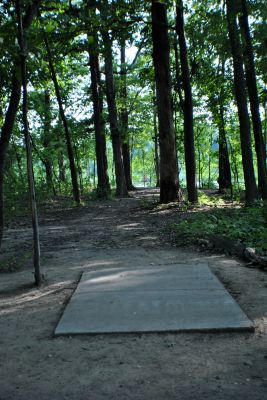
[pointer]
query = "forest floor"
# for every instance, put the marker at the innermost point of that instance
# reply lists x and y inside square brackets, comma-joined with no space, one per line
[35,364]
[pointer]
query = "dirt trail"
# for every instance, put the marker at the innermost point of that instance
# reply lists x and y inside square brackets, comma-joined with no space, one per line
[34,364]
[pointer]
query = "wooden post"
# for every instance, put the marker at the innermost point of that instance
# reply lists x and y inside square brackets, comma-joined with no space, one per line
[23,55]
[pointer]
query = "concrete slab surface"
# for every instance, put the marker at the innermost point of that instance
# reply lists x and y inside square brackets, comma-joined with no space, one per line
[176,297]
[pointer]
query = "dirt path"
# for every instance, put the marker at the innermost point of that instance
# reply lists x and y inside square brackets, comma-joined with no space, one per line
[34,364]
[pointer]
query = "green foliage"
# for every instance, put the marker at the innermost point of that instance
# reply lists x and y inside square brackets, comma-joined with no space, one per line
[247,225]
[207,200]
[70,29]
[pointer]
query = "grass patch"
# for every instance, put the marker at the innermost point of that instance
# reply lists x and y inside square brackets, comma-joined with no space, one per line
[210,200]
[247,225]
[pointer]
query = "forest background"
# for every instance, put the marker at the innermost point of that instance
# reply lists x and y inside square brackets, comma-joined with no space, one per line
[121,94]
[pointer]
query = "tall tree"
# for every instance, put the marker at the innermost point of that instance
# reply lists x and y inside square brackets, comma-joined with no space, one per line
[12,109]
[23,56]
[68,139]
[253,99]
[169,182]
[224,180]
[241,100]
[124,118]
[217,105]
[47,140]
[156,138]
[103,187]
[121,188]
[189,147]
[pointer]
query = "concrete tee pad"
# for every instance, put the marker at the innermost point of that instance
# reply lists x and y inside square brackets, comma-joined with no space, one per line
[177,297]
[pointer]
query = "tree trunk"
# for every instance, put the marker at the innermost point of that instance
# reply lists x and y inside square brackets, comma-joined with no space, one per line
[103,187]
[11,113]
[234,166]
[46,140]
[218,111]
[5,139]
[177,74]
[61,168]
[241,100]
[121,188]
[254,100]
[18,158]
[169,182]
[225,180]
[199,168]
[124,120]
[79,168]
[156,139]
[23,55]
[94,171]
[73,171]
[189,147]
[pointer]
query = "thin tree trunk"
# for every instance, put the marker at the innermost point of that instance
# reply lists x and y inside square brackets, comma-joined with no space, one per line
[11,113]
[103,187]
[169,182]
[121,188]
[234,167]
[177,74]
[94,175]
[36,242]
[131,144]
[46,140]
[198,159]
[209,161]
[61,168]
[18,158]
[241,100]
[124,120]
[225,180]
[189,147]
[254,100]
[199,168]
[79,169]
[156,139]
[73,171]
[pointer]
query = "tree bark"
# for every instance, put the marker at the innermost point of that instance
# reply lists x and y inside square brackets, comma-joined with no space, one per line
[124,120]
[169,182]
[177,74]
[121,188]
[46,140]
[23,56]
[18,159]
[251,192]
[11,113]
[254,99]
[73,171]
[156,139]
[103,186]
[225,180]
[189,146]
